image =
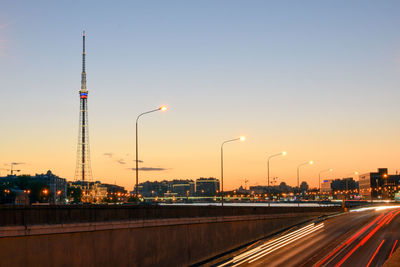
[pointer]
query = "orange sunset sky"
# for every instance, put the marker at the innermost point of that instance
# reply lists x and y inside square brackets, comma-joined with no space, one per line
[320,81]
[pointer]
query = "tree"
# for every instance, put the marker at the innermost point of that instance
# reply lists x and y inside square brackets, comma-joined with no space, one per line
[303,186]
[74,194]
[283,187]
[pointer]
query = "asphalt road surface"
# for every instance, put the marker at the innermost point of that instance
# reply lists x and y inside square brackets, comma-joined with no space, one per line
[357,238]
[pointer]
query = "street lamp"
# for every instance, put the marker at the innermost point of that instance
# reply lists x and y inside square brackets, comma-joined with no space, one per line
[163,108]
[298,177]
[242,138]
[272,156]
[319,177]
[351,174]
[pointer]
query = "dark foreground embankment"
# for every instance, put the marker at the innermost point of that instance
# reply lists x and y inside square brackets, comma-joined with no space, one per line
[136,235]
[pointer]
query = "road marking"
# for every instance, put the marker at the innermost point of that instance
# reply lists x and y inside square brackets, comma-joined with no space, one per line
[376,251]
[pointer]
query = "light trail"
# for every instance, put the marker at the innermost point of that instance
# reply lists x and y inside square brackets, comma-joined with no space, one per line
[272,242]
[391,252]
[379,208]
[350,240]
[266,249]
[393,217]
[366,238]
[286,243]
[376,251]
[386,208]
[267,244]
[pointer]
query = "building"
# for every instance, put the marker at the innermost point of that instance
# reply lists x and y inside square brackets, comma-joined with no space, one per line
[57,186]
[46,187]
[97,192]
[113,189]
[207,186]
[326,186]
[378,185]
[183,188]
[261,189]
[345,184]
[153,189]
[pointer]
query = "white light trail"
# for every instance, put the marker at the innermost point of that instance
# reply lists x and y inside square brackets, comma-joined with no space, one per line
[270,243]
[273,245]
[379,208]
[268,251]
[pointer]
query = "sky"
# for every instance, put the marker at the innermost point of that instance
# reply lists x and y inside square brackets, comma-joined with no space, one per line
[318,79]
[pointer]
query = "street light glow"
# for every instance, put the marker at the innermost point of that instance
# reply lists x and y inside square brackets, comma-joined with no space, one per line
[311,162]
[163,108]
[284,153]
[242,138]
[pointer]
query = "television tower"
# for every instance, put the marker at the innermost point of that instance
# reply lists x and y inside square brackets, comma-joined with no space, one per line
[83,170]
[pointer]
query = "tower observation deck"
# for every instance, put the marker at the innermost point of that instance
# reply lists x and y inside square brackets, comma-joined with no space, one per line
[83,170]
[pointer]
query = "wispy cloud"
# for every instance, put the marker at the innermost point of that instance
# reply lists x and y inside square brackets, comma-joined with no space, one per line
[121,161]
[18,163]
[150,169]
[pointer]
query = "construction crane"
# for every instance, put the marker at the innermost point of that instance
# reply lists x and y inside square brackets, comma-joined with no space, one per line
[12,169]
[245,183]
[274,180]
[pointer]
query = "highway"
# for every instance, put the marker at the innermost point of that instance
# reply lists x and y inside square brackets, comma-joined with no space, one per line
[359,238]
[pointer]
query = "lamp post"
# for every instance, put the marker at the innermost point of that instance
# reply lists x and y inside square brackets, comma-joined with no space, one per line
[298,177]
[163,108]
[351,174]
[269,188]
[319,177]
[242,138]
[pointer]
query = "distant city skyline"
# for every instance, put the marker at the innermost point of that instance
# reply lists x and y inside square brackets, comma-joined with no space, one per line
[318,80]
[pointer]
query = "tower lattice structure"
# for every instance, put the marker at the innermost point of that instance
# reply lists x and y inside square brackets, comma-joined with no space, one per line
[83,170]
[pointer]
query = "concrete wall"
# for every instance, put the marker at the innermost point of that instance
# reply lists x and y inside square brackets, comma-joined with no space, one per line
[150,242]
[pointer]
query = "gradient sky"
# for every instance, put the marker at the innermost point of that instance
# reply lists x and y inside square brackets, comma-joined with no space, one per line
[318,79]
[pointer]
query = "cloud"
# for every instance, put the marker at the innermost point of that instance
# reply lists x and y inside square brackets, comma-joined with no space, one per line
[121,161]
[18,163]
[150,169]
[108,154]
[140,161]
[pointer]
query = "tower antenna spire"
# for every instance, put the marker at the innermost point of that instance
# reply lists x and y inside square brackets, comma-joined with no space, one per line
[83,79]
[83,170]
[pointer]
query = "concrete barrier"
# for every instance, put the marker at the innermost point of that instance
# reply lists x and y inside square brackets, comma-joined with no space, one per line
[165,236]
